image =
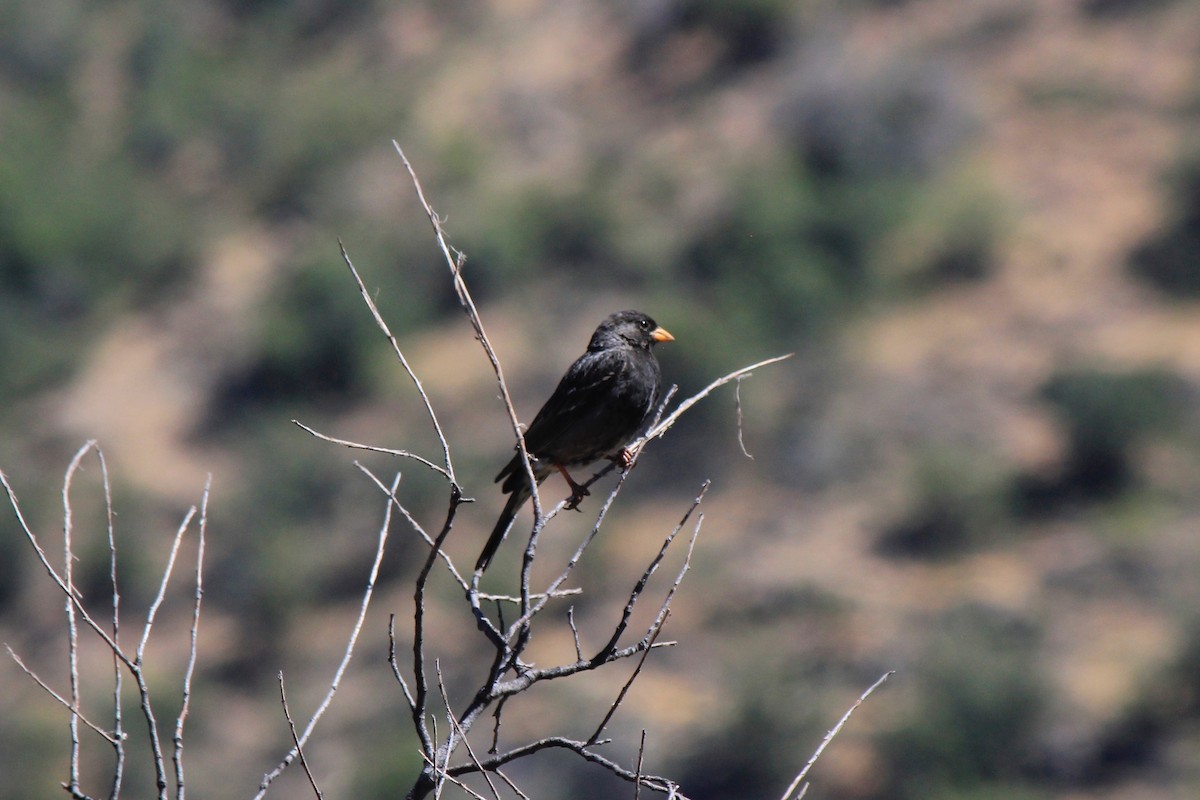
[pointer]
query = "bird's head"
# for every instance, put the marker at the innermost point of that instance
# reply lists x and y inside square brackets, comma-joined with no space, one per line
[631,329]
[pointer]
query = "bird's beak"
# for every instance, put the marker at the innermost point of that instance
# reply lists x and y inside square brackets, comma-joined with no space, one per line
[661,334]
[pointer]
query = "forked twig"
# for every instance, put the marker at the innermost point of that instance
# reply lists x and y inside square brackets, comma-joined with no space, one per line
[379,321]
[135,663]
[595,737]
[458,731]
[508,675]
[454,260]
[640,586]
[373,448]
[665,425]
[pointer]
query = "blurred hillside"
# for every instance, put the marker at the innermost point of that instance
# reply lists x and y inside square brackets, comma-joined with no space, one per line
[975,223]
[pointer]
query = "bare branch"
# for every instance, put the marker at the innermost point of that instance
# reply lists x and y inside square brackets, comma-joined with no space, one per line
[532,675]
[296,739]
[449,471]
[637,782]
[415,524]
[829,737]
[421,688]
[454,260]
[162,586]
[341,670]
[650,570]
[583,750]
[374,449]
[118,676]
[595,737]
[58,580]
[737,399]
[661,428]
[180,790]
[160,770]
[574,633]
[458,731]
[72,627]
[412,704]
[530,610]
[443,777]
[665,608]
[75,712]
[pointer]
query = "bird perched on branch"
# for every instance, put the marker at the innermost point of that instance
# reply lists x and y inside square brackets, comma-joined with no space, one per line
[604,402]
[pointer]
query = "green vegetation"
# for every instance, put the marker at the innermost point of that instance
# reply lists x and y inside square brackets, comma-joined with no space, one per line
[972,730]
[1167,704]
[140,136]
[958,504]
[1167,259]
[1105,414]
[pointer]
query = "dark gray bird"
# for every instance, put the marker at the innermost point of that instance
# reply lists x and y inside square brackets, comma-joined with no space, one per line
[604,402]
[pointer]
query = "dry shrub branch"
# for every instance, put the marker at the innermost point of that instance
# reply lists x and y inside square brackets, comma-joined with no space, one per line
[452,750]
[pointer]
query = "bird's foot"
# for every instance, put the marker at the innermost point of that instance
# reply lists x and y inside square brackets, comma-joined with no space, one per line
[623,459]
[578,491]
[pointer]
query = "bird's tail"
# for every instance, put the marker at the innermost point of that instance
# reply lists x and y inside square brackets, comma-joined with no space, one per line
[515,501]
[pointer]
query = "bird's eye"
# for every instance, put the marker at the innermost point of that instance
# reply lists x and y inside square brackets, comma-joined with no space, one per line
[645,323]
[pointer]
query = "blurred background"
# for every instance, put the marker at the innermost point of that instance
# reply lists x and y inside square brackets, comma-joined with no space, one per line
[976,225]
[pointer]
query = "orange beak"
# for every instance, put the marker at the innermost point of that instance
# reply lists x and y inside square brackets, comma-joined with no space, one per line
[661,334]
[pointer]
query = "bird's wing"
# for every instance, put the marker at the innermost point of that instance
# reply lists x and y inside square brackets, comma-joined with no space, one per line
[586,387]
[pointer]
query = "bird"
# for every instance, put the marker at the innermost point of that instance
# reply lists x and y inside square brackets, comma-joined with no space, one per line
[604,402]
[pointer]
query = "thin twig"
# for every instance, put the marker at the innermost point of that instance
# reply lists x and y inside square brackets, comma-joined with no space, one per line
[832,733]
[584,750]
[444,777]
[552,589]
[139,674]
[595,737]
[31,537]
[412,704]
[373,448]
[651,568]
[346,655]
[180,790]
[458,731]
[162,585]
[665,608]
[530,675]
[75,711]
[72,627]
[379,321]
[296,739]
[574,633]
[404,512]
[118,676]
[420,680]
[454,260]
[737,399]
[662,427]
[637,782]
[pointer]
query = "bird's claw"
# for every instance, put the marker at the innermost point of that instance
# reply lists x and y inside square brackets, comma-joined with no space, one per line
[578,492]
[624,459]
